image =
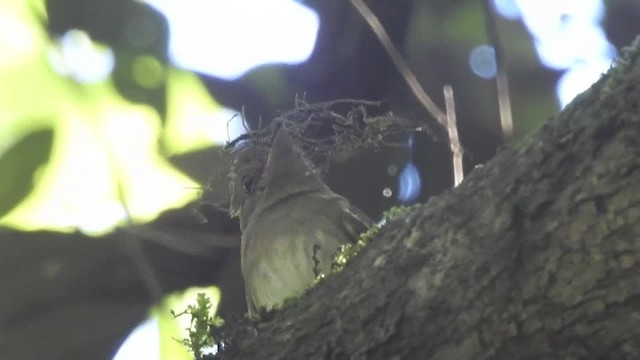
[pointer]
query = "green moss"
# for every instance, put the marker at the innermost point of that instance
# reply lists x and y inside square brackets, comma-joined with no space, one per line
[344,254]
[202,322]
[349,251]
[395,213]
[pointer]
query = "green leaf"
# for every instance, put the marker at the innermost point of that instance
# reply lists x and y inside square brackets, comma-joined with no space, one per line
[19,163]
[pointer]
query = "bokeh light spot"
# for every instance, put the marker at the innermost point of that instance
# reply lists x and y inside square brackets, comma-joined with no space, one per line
[482,61]
[392,169]
[409,187]
[147,72]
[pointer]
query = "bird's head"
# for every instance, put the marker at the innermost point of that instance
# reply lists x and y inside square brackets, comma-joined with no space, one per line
[262,174]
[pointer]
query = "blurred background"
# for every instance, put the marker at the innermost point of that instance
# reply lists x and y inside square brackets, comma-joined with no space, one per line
[112,115]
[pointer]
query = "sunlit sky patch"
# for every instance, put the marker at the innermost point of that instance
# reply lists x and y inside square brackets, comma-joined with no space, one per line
[18,38]
[226,38]
[75,55]
[147,333]
[194,119]
[567,36]
[507,8]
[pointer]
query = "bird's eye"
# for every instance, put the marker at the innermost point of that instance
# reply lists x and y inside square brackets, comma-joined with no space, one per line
[247,183]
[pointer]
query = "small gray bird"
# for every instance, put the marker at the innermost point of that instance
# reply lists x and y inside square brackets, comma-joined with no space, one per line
[292,223]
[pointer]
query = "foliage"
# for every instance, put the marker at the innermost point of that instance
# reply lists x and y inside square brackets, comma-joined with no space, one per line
[202,321]
[103,133]
[19,165]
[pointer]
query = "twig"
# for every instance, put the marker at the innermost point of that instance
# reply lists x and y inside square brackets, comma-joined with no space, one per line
[184,241]
[454,140]
[147,274]
[400,63]
[131,242]
[446,120]
[502,79]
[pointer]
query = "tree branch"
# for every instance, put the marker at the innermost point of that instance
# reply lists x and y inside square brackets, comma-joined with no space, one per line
[534,255]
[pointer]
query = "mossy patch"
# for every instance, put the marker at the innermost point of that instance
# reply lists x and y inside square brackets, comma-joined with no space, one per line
[203,321]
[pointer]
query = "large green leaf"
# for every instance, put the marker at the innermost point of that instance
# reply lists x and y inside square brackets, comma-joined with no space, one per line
[19,163]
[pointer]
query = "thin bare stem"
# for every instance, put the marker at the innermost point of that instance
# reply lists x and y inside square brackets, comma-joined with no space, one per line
[399,62]
[229,122]
[454,140]
[132,243]
[134,249]
[502,79]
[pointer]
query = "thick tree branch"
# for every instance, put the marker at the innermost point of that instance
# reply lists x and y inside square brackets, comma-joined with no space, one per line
[535,255]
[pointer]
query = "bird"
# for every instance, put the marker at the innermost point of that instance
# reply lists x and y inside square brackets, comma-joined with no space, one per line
[292,223]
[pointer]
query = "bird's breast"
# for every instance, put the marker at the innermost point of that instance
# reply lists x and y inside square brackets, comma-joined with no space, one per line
[285,245]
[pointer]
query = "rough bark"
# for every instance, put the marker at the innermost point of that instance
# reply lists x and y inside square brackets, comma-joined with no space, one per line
[536,255]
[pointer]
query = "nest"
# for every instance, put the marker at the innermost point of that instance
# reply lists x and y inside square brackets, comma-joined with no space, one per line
[330,130]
